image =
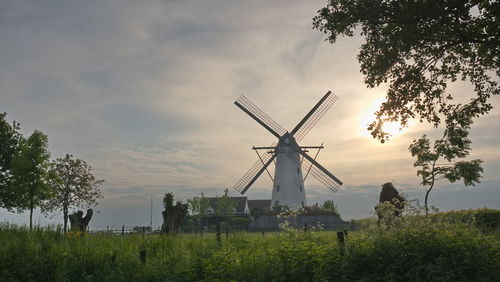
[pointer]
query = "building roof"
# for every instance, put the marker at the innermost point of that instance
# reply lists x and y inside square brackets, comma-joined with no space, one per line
[259,204]
[240,203]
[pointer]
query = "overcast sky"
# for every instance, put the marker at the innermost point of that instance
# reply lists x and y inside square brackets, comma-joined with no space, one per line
[144,91]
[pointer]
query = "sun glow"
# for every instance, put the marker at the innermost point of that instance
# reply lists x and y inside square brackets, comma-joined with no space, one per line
[391,127]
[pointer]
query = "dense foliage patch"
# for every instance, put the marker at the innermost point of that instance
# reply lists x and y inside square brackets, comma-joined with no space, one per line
[486,220]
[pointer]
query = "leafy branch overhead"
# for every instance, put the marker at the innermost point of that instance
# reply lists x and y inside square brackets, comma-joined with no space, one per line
[418,47]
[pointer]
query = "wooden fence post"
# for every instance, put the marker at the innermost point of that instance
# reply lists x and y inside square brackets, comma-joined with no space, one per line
[219,242]
[341,240]
[142,255]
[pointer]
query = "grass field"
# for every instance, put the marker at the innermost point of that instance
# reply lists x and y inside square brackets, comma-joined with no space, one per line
[413,249]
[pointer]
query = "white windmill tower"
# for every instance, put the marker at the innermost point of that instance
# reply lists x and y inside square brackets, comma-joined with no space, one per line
[288,181]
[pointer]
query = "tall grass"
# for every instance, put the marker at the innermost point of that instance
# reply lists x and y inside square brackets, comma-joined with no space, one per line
[412,249]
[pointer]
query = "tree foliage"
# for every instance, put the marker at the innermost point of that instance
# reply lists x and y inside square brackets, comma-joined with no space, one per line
[76,187]
[418,48]
[453,145]
[225,205]
[197,208]
[168,200]
[33,177]
[329,206]
[9,148]
[173,215]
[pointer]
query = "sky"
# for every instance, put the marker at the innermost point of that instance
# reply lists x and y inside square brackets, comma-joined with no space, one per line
[144,90]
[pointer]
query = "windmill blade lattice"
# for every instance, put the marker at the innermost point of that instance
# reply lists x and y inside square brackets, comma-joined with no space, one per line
[317,173]
[259,166]
[260,116]
[315,117]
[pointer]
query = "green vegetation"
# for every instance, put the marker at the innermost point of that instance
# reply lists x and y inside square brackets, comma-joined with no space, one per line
[75,187]
[453,145]
[173,215]
[10,139]
[486,220]
[412,247]
[33,177]
[29,179]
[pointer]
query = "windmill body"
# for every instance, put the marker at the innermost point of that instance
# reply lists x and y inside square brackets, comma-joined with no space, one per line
[288,186]
[288,182]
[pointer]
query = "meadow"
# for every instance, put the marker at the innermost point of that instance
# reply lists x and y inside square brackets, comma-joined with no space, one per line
[414,248]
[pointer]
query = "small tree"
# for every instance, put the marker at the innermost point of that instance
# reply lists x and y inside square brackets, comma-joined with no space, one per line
[77,186]
[197,207]
[453,145]
[225,206]
[32,173]
[329,206]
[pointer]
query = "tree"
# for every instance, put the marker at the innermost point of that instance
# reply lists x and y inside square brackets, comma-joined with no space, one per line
[197,207]
[10,139]
[172,215]
[329,206]
[77,187]
[225,206]
[33,177]
[418,47]
[454,144]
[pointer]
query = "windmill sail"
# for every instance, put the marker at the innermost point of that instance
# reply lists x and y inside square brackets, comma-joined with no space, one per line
[258,115]
[253,173]
[314,115]
[331,183]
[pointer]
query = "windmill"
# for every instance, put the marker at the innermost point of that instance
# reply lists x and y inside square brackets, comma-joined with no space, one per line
[288,156]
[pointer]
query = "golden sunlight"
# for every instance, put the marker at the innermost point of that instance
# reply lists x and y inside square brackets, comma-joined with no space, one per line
[368,117]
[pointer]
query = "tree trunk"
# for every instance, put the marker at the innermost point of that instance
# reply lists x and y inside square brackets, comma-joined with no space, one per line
[426,197]
[31,213]
[65,215]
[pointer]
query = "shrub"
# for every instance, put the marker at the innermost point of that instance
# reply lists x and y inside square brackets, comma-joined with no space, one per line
[486,220]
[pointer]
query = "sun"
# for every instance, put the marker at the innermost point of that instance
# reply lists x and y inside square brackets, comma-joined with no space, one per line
[391,127]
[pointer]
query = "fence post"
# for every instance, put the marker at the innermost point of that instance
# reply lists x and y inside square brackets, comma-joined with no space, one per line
[305,227]
[123,229]
[341,240]
[218,234]
[142,255]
